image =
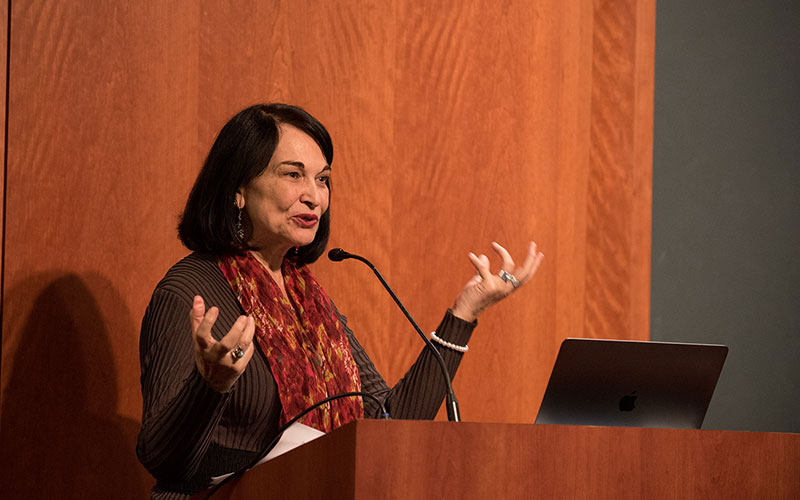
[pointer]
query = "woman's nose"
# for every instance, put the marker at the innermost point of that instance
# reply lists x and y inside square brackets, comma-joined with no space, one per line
[311,194]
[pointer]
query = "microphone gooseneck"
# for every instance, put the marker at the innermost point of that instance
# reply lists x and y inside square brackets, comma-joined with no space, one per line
[453,414]
[265,451]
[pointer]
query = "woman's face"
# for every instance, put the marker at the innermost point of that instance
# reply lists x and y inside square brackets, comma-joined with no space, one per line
[286,201]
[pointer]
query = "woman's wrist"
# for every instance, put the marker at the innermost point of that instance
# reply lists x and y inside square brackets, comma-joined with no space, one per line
[463,313]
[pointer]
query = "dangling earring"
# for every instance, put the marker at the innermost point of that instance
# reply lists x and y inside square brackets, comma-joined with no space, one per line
[239,226]
[296,249]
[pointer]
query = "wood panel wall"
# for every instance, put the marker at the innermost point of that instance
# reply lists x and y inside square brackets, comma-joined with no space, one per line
[454,125]
[4,67]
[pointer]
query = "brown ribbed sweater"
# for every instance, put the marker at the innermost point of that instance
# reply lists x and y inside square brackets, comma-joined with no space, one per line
[190,432]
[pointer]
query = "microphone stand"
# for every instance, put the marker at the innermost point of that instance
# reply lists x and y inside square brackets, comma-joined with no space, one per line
[453,413]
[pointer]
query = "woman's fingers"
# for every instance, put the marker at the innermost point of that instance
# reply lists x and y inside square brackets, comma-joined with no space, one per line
[481,265]
[202,322]
[231,340]
[197,312]
[508,262]
[214,358]
[245,340]
[527,270]
[240,334]
[531,264]
[530,259]
[487,288]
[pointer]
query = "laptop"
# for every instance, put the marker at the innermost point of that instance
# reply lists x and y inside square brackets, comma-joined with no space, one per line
[623,383]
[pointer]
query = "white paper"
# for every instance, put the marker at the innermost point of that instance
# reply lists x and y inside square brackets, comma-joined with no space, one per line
[297,434]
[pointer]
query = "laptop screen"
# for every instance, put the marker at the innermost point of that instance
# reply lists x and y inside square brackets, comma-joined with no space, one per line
[631,383]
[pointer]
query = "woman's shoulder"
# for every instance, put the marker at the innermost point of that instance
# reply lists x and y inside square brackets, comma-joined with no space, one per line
[195,274]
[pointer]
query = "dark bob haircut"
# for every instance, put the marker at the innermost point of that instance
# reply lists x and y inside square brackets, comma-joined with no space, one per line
[241,153]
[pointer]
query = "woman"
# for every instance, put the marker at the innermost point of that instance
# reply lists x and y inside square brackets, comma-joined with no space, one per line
[262,340]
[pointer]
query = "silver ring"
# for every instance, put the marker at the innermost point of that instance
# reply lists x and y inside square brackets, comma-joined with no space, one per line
[508,278]
[237,353]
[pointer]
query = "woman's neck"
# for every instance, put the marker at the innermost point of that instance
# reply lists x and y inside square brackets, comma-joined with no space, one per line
[272,261]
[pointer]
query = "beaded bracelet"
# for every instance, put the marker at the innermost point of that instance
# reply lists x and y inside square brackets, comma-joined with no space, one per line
[449,345]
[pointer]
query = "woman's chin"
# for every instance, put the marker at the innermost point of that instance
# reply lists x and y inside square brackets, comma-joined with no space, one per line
[304,239]
[301,242]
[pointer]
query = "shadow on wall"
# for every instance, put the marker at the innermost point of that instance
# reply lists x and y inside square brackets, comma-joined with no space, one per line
[60,434]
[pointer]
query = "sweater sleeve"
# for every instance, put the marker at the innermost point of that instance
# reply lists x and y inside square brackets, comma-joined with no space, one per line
[180,410]
[419,394]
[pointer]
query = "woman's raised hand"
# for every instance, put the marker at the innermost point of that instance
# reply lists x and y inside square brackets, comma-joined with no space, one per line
[487,288]
[220,362]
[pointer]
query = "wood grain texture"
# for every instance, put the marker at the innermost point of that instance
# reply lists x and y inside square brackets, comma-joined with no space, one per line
[380,460]
[337,62]
[101,145]
[3,116]
[618,234]
[453,125]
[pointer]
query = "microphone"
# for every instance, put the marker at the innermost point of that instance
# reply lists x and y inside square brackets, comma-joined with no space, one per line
[274,442]
[338,255]
[453,414]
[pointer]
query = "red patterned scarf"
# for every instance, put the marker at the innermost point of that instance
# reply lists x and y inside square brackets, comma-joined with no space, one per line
[304,342]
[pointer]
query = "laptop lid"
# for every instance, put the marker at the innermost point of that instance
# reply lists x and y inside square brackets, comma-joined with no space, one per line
[631,383]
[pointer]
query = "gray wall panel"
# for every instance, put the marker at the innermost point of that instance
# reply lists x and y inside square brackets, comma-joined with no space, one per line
[726,200]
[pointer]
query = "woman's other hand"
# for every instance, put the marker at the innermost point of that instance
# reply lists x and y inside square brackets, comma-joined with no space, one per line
[220,362]
[487,288]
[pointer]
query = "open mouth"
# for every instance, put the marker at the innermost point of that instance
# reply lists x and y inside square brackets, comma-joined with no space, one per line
[306,220]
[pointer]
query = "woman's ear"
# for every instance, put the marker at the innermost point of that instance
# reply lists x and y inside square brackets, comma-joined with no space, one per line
[239,199]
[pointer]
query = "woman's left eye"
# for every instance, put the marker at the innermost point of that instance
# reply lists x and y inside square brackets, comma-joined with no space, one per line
[324,179]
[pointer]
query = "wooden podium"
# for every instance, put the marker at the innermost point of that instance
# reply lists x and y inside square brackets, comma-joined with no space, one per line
[373,459]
